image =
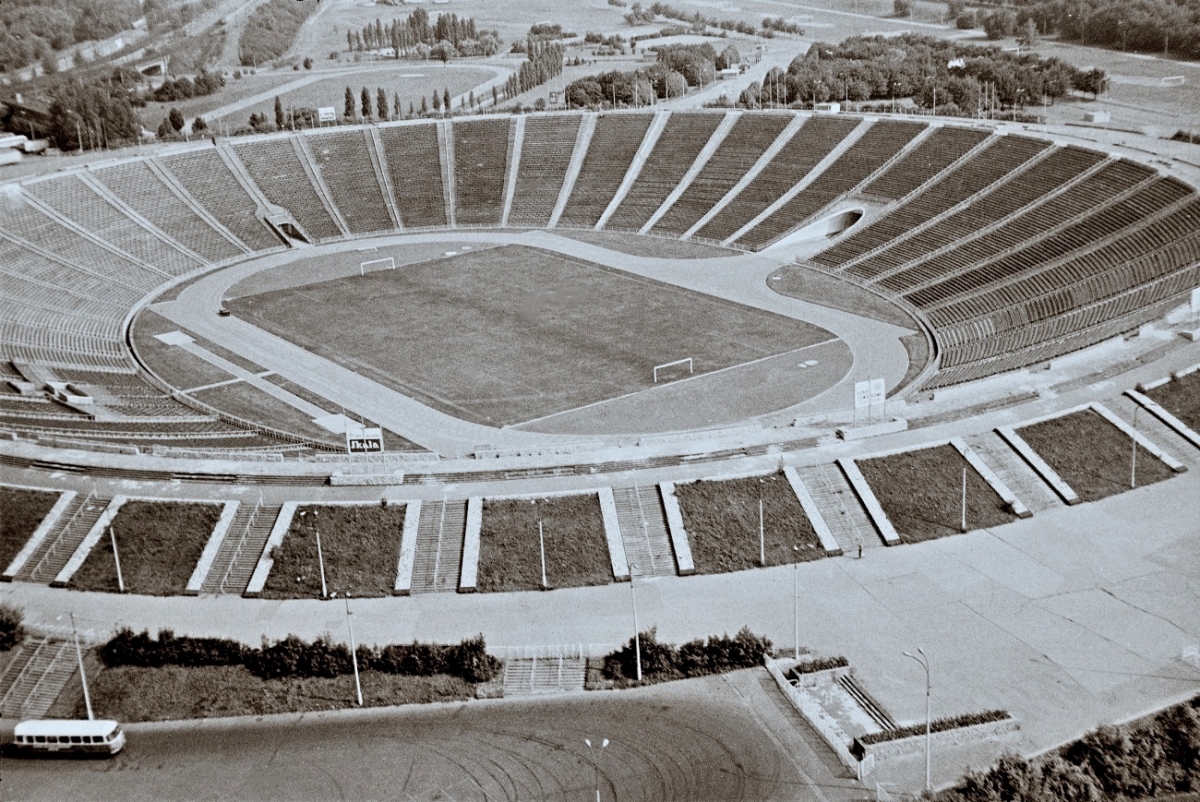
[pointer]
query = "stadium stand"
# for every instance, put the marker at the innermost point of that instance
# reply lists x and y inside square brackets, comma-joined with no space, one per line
[420,194]
[750,137]
[614,144]
[797,158]
[881,142]
[208,179]
[994,164]
[681,141]
[71,197]
[480,168]
[542,167]
[345,164]
[136,186]
[938,151]
[279,173]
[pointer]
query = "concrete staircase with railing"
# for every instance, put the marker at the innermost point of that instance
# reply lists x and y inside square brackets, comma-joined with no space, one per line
[1153,429]
[538,675]
[438,557]
[840,507]
[235,561]
[643,524]
[1015,472]
[35,677]
[865,701]
[50,557]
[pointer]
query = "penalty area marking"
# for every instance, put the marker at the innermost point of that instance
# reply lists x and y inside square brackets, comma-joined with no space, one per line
[687,360]
[387,263]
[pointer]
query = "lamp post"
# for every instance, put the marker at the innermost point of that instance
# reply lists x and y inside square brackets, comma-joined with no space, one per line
[1133,451]
[87,697]
[353,650]
[637,636]
[796,597]
[596,761]
[924,661]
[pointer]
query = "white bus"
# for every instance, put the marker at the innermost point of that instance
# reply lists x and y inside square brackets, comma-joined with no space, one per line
[69,735]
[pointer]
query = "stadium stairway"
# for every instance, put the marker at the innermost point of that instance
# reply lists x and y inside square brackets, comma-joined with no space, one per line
[1153,429]
[840,507]
[236,559]
[35,676]
[643,524]
[537,675]
[50,557]
[1016,474]
[438,558]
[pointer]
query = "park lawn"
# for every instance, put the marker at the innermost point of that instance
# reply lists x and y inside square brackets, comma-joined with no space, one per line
[921,492]
[21,511]
[521,332]
[721,520]
[159,543]
[573,529]
[1091,455]
[1181,397]
[360,545]
[135,693]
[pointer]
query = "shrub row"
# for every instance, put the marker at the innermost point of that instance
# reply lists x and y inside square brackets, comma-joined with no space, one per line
[697,658]
[820,664]
[294,657]
[938,725]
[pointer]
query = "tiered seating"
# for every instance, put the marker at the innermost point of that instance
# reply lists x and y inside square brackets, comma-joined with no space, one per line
[935,153]
[681,141]
[615,142]
[952,267]
[346,166]
[40,230]
[797,158]
[1109,219]
[749,138]
[68,280]
[882,141]
[414,165]
[278,172]
[73,198]
[139,188]
[545,156]
[480,170]
[999,160]
[1025,188]
[208,179]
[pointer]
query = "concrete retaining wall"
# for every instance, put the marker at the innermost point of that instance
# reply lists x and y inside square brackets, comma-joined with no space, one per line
[408,548]
[612,534]
[867,497]
[39,535]
[204,564]
[1039,465]
[266,560]
[824,534]
[89,542]
[989,476]
[470,554]
[915,744]
[679,540]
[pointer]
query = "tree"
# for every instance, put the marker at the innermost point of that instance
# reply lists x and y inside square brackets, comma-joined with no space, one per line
[729,57]
[348,108]
[396,107]
[1094,82]
[12,629]
[437,103]
[1029,34]
[381,103]
[425,106]
[307,63]
[902,8]
[279,118]
[165,130]
[175,117]
[366,103]
[446,100]
[198,125]
[495,97]
[1000,24]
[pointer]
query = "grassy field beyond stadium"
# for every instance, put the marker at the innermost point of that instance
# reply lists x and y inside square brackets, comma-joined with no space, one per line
[515,333]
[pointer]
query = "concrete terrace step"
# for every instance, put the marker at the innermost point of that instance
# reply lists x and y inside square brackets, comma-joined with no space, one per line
[536,675]
[235,562]
[643,523]
[840,507]
[1014,471]
[36,677]
[438,556]
[45,563]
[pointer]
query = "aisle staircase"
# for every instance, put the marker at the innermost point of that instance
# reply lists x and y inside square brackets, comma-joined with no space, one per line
[1015,472]
[77,520]
[644,531]
[1153,429]
[235,561]
[840,507]
[537,675]
[865,701]
[35,677]
[438,556]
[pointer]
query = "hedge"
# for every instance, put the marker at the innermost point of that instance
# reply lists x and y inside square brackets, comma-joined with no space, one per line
[938,725]
[820,664]
[697,658]
[294,657]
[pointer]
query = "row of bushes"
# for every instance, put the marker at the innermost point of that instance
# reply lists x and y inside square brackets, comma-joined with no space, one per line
[294,657]
[937,725]
[820,664]
[697,658]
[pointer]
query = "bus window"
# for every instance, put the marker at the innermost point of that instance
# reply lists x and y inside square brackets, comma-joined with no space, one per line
[41,739]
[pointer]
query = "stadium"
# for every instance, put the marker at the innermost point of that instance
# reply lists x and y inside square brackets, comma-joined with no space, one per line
[599,305]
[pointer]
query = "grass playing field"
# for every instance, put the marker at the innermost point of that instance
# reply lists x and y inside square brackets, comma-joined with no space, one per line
[516,333]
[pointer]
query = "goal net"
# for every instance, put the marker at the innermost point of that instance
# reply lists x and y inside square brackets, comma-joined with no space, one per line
[672,370]
[386,263]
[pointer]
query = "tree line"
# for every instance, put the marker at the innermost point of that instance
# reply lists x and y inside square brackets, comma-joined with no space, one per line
[271,29]
[415,37]
[677,68]
[32,30]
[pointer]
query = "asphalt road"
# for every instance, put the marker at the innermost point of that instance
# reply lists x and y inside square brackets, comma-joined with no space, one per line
[720,738]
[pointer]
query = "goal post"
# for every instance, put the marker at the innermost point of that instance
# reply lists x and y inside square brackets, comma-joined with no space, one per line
[386,263]
[676,364]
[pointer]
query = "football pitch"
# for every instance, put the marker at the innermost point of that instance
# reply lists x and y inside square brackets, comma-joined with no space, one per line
[511,334]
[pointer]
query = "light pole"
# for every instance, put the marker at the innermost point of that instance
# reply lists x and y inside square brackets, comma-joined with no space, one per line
[596,761]
[796,597]
[924,661]
[1133,451]
[353,650]
[87,697]
[637,636]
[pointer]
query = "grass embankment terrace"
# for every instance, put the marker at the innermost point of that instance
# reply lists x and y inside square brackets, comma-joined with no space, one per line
[159,544]
[921,492]
[1181,397]
[721,519]
[576,549]
[1091,455]
[21,511]
[360,546]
